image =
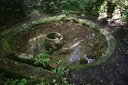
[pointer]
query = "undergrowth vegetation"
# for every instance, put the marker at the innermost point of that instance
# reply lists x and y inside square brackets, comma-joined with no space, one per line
[78,7]
[70,6]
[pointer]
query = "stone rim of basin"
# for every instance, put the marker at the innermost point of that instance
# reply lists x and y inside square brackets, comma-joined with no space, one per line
[110,39]
[57,36]
[53,41]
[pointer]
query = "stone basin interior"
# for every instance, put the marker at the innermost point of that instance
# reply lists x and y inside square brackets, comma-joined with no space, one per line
[53,35]
[80,45]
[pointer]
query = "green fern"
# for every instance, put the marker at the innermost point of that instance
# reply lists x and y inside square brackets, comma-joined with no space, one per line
[60,71]
[43,59]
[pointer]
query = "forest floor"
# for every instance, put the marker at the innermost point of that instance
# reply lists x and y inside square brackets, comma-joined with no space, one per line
[114,71]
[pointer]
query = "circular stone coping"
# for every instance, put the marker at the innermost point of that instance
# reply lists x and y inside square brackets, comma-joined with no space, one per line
[54,36]
[22,27]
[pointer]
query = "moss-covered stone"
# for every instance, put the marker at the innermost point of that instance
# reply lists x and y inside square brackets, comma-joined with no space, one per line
[19,70]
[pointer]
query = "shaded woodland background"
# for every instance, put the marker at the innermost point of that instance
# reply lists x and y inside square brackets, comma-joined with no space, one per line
[15,11]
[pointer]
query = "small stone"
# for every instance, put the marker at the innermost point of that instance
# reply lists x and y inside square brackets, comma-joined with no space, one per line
[30,56]
[83,61]
[25,56]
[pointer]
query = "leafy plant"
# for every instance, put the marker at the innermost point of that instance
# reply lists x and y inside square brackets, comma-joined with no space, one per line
[16,82]
[64,81]
[43,82]
[6,44]
[111,83]
[60,71]
[1,75]
[43,59]
[68,6]
[125,16]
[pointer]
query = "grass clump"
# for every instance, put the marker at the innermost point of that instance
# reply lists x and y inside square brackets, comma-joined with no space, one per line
[60,71]
[43,59]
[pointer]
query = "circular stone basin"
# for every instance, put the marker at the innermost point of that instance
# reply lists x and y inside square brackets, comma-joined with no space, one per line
[53,41]
[82,45]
